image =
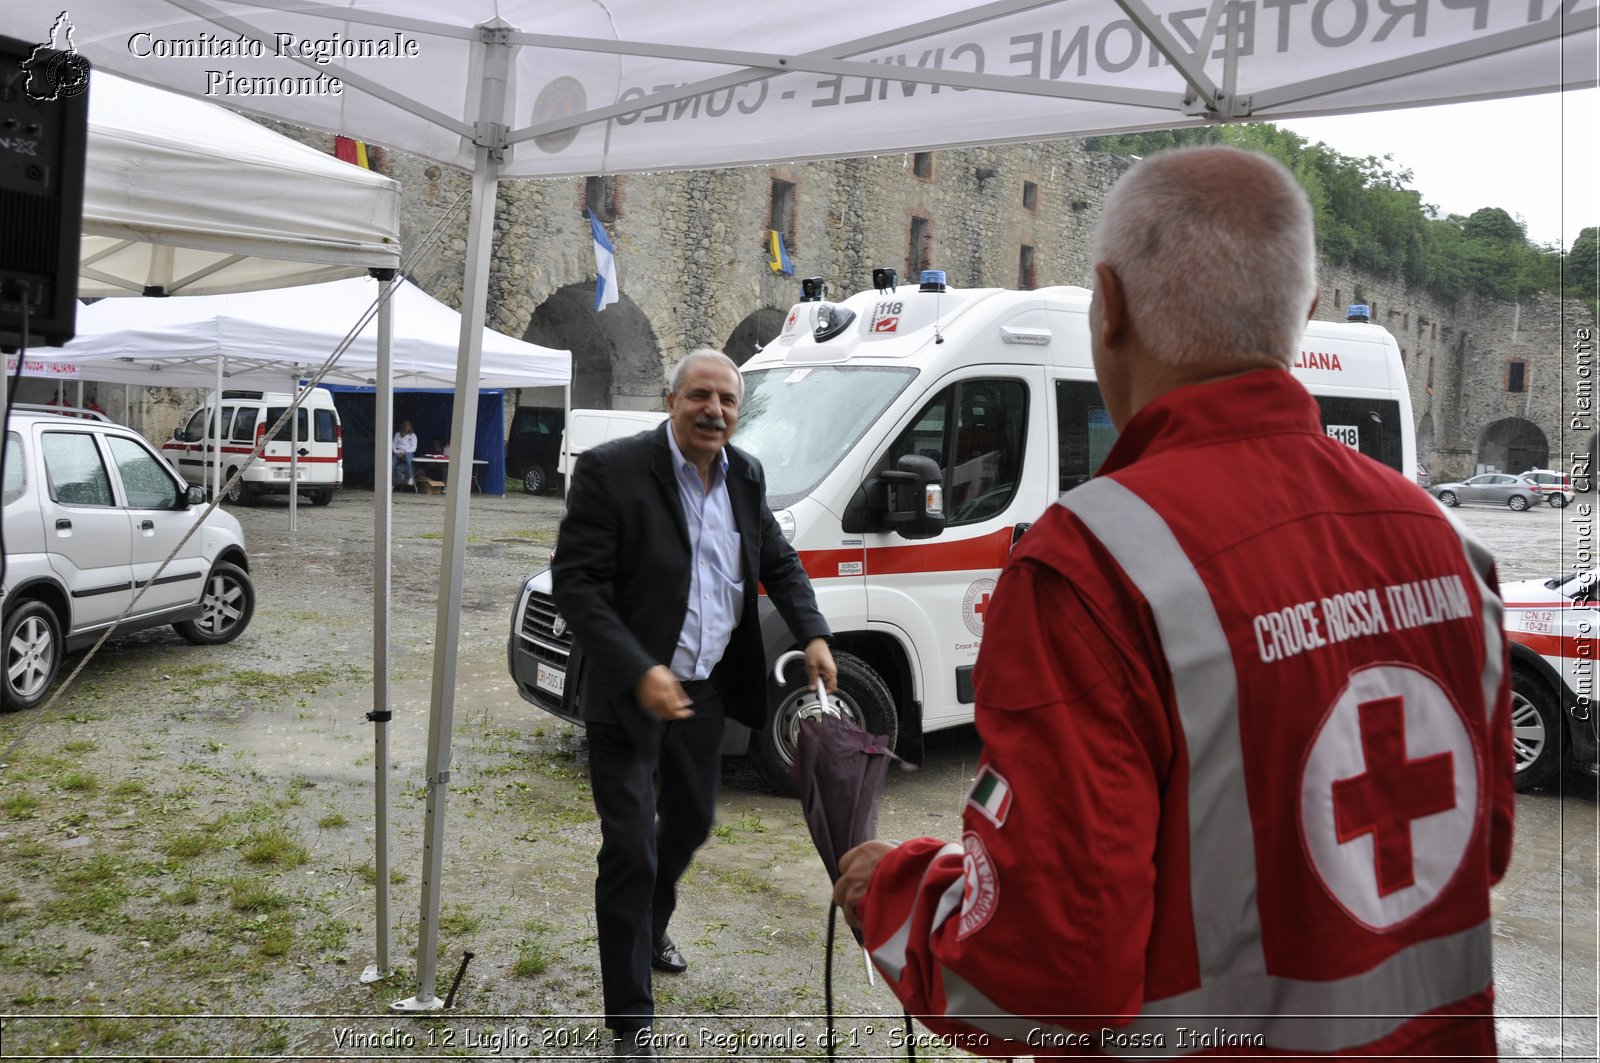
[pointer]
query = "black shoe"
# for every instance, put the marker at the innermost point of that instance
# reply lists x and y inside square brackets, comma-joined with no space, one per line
[664,956]
[636,1045]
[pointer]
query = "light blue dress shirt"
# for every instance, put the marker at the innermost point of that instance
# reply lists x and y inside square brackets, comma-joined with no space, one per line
[716,582]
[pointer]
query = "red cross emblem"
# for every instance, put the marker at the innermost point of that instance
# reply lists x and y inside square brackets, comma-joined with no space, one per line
[1393,792]
[1389,794]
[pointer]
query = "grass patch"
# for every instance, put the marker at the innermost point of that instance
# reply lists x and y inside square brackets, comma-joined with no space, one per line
[533,959]
[189,846]
[79,782]
[273,847]
[254,895]
[20,806]
[332,820]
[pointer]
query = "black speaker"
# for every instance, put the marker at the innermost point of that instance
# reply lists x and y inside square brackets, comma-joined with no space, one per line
[44,130]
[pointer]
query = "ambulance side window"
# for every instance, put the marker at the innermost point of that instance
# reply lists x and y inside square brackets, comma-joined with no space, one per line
[1083,431]
[974,429]
[244,425]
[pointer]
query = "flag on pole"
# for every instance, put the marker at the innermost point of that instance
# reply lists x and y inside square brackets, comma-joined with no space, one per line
[780,255]
[605,266]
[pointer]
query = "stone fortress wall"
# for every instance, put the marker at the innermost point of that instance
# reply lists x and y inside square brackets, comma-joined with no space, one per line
[692,259]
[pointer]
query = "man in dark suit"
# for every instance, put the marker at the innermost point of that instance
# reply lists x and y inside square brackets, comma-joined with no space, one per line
[666,540]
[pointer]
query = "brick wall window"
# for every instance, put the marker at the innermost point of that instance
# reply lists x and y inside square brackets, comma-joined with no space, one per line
[1027,278]
[1430,376]
[919,251]
[922,164]
[1338,300]
[1516,376]
[600,197]
[781,215]
[1030,196]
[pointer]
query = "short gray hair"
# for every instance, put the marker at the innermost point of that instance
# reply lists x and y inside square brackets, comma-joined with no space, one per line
[1216,254]
[703,354]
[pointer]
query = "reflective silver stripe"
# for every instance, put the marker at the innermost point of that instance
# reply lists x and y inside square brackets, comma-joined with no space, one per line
[890,956]
[1494,632]
[1227,924]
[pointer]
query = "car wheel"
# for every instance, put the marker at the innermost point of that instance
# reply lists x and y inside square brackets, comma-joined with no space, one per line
[1558,501]
[862,696]
[1518,503]
[1535,731]
[321,498]
[227,603]
[534,480]
[32,639]
[236,493]
[1448,498]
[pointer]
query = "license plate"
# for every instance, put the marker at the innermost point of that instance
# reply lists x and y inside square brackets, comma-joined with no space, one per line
[551,679]
[280,472]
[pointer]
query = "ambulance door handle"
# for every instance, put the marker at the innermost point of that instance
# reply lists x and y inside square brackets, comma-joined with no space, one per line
[303,452]
[1016,533]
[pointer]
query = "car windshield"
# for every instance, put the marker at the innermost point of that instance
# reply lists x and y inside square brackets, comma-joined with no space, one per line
[1575,585]
[800,421]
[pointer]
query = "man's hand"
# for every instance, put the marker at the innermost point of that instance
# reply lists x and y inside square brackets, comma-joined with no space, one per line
[659,693]
[855,873]
[819,661]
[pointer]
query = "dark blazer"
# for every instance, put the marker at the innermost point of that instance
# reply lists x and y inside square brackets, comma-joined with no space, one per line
[621,575]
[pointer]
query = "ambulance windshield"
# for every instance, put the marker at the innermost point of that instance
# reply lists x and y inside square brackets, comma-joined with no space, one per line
[801,420]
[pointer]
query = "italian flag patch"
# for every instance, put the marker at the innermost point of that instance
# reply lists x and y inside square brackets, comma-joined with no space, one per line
[990,795]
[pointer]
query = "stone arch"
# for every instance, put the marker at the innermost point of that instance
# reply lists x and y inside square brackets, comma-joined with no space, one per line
[616,358]
[1513,445]
[759,328]
[1425,441]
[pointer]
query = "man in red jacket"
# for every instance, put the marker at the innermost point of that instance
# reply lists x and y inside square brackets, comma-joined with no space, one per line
[1247,775]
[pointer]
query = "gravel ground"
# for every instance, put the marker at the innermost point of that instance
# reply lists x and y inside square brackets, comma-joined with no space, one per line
[187,842]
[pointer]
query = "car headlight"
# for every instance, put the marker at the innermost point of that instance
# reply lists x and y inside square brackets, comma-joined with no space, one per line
[785,521]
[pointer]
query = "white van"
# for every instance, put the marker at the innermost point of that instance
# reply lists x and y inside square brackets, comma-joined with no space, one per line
[314,437]
[590,428]
[858,408]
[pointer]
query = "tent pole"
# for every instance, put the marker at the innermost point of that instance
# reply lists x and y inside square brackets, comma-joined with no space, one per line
[216,453]
[463,431]
[566,420]
[382,566]
[294,457]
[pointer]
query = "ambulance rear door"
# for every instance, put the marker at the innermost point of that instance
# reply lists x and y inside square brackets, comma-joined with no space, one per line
[984,426]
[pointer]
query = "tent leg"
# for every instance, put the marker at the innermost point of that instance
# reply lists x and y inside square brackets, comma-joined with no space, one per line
[382,567]
[452,566]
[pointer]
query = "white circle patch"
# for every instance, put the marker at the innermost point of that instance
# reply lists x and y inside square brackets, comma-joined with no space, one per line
[975,603]
[1389,794]
[982,892]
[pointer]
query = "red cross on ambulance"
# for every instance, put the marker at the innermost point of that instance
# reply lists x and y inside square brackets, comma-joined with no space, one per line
[1388,794]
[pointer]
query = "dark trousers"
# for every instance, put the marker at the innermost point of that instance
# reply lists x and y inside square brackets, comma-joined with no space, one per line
[647,837]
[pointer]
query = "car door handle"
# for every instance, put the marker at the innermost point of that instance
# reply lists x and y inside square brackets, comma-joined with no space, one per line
[1017,532]
[63,524]
[303,452]
[147,525]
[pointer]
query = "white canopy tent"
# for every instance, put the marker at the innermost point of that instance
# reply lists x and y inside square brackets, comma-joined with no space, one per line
[269,339]
[183,197]
[554,87]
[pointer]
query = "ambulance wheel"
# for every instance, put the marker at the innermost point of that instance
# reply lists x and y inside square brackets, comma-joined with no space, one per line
[1517,503]
[236,492]
[1447,497]
[321,498]
[862,696]
[1558,501]
[1535,731]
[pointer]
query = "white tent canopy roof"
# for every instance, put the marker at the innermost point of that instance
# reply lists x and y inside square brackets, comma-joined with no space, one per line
[271,337]
[641,84]
[188,196]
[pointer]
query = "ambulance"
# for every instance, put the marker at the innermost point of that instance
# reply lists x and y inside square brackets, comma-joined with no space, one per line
[910,435]
[314,438]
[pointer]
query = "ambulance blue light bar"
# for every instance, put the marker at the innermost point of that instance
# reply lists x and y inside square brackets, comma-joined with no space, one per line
[932,280]
[1358,312]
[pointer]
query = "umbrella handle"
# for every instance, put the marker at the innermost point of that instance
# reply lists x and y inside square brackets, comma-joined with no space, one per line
[822,691]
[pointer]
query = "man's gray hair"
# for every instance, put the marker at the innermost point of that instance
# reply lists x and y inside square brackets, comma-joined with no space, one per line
[1216,253]
[703,354]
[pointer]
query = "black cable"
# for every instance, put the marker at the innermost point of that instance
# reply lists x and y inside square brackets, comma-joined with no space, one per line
[827,976]
[11,398]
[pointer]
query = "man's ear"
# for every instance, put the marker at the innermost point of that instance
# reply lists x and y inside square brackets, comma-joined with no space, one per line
[1113,307]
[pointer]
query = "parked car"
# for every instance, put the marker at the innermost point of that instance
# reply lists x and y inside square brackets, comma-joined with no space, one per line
[533,449]
[1556,487]
[1552,627]
[1490,488]
[91,511]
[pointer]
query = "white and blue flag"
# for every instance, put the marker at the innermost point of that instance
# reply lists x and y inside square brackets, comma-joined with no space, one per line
[605,266]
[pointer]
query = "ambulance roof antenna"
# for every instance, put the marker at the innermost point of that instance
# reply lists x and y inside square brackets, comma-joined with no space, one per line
[933,281]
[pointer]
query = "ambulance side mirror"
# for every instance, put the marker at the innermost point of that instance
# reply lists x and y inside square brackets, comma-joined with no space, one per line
[908,499]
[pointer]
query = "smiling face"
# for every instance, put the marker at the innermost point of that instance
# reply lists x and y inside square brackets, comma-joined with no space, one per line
[704,410]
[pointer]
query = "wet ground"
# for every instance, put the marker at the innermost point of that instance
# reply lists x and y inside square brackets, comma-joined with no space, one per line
[274,726]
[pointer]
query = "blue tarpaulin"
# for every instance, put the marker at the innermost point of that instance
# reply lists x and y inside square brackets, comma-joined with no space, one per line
[429,411]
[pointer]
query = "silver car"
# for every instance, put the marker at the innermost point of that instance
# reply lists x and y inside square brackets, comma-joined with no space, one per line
[1490,488]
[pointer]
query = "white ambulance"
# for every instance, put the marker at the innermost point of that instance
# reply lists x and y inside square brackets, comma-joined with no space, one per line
[314,438]
[910,436]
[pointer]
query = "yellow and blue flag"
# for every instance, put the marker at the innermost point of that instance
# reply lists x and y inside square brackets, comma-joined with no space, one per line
[780,255]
